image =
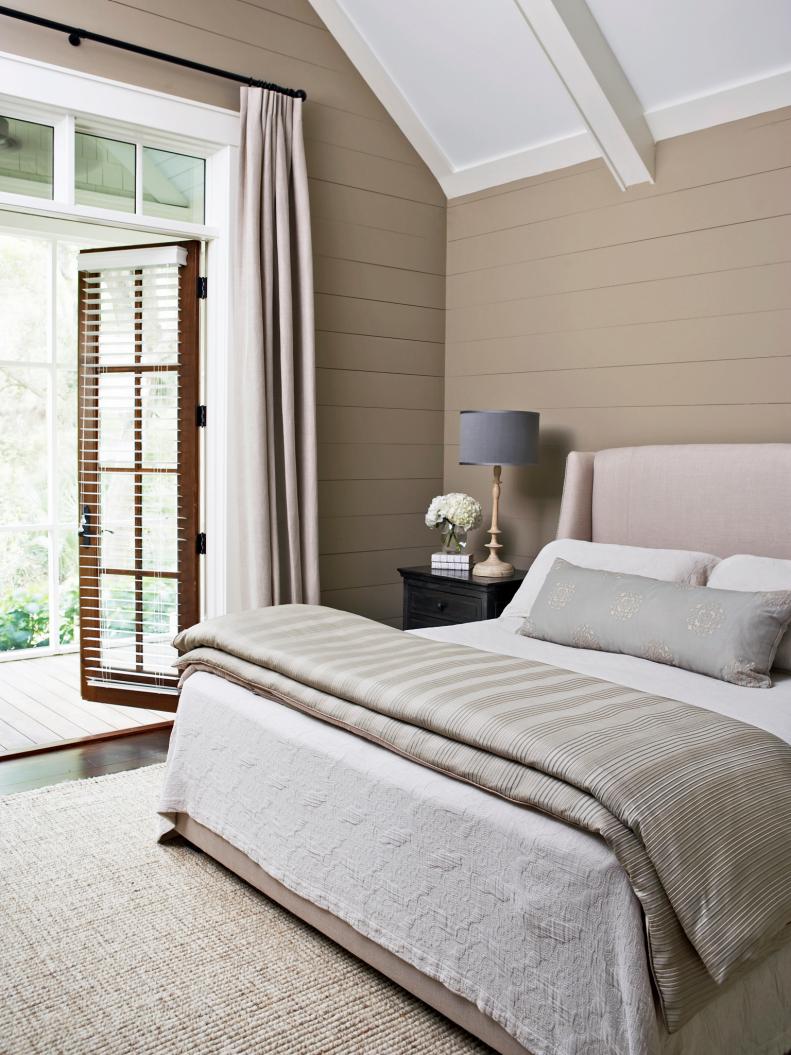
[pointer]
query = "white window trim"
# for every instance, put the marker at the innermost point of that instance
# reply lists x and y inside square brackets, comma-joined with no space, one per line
[72,91]
[37,91]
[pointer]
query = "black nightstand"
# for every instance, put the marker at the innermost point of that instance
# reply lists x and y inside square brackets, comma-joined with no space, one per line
[439,599]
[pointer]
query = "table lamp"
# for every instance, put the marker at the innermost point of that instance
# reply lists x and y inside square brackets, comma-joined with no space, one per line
[497,438]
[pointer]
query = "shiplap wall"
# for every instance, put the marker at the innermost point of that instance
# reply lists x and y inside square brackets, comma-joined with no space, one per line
[379,238]
[659,315]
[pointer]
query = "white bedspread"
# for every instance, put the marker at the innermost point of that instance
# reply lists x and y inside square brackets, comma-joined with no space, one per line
[532,920]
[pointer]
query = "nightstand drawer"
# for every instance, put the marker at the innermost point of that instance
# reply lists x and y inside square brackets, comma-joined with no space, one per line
[442,607]
[434,599]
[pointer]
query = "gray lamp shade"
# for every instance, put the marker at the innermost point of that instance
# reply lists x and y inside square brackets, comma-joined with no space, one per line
[498,437]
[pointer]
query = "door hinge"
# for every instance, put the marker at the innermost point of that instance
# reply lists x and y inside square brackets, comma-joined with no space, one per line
[200,542]
[200,416]
[203,287]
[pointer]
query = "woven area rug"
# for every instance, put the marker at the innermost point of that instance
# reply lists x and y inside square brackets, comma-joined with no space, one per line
[113,944]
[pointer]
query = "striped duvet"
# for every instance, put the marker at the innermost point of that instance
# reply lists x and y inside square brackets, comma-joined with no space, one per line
[695,805]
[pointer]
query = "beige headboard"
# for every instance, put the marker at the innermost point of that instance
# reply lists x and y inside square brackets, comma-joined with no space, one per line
[722,498]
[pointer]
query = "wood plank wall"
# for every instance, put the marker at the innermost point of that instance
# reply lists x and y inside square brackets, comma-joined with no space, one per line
[659,315]
[379,239]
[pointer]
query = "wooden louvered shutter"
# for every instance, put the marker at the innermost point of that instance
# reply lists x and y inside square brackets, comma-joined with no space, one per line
[138,468]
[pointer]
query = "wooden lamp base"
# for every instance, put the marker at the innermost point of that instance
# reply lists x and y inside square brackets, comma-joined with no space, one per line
[493,567]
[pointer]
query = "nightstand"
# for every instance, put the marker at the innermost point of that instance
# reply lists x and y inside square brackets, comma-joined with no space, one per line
[438,599]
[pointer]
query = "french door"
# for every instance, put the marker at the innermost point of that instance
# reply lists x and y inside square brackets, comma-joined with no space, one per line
[138,468]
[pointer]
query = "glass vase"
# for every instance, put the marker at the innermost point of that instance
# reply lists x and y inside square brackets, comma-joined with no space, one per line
[454,538]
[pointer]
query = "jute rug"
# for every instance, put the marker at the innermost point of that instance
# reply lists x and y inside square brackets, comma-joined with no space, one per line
[111,944]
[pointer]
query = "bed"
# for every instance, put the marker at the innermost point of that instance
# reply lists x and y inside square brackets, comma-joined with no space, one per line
[520,928]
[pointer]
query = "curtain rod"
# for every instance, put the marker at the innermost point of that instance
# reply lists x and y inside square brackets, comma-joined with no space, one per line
[76,37]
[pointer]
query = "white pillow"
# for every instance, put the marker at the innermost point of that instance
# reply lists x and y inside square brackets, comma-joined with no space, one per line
[744,572]
[670,565]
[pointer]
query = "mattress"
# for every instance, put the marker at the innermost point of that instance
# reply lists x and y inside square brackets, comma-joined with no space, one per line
[533,921]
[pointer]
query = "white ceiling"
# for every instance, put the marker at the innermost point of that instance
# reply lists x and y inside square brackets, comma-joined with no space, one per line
[461,67]
[494,90]
[674,50]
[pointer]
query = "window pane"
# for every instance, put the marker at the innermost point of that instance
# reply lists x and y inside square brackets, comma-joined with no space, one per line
[160,521]
[24,297]
[118,520]
[24,590]
[68,588]
[173,185]
[160,624]
[117,621]
[66,299]
[112,304]
[26,151]
[117,419]
[160,329]
[23,444]
[104,172]
[160,419]
[66,446]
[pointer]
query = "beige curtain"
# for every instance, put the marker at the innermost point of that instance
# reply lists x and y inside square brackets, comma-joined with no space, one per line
[273,519]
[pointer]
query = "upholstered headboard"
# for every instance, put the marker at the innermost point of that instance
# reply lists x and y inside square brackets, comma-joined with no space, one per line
[722,498]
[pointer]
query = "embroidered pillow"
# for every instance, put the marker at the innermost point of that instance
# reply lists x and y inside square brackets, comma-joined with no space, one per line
[727,634]
[744,572]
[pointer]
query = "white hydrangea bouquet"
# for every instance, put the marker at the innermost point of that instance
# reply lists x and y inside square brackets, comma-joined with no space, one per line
[454,515]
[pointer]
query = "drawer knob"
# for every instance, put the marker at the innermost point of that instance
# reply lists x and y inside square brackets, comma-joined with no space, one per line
[441,605]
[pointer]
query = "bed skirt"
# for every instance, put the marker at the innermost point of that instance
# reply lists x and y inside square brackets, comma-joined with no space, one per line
[429,990]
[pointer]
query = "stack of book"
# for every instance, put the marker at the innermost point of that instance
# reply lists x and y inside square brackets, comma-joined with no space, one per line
[452,563]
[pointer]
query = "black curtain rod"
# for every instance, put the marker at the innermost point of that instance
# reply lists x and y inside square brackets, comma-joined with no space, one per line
[76,37]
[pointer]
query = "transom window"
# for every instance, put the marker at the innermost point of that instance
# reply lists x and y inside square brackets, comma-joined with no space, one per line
[100,172]
[26,158]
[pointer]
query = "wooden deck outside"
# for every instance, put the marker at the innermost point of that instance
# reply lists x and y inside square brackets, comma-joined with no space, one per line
[40,704]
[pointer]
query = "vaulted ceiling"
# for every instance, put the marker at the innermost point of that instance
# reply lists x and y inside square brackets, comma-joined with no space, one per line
[490,91]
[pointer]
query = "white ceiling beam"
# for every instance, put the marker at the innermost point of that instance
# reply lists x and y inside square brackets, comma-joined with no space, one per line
[584,61]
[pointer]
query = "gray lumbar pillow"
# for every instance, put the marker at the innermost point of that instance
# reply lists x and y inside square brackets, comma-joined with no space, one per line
[728,634]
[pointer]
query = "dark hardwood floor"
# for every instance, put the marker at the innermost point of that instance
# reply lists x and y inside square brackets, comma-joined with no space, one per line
[91,759]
